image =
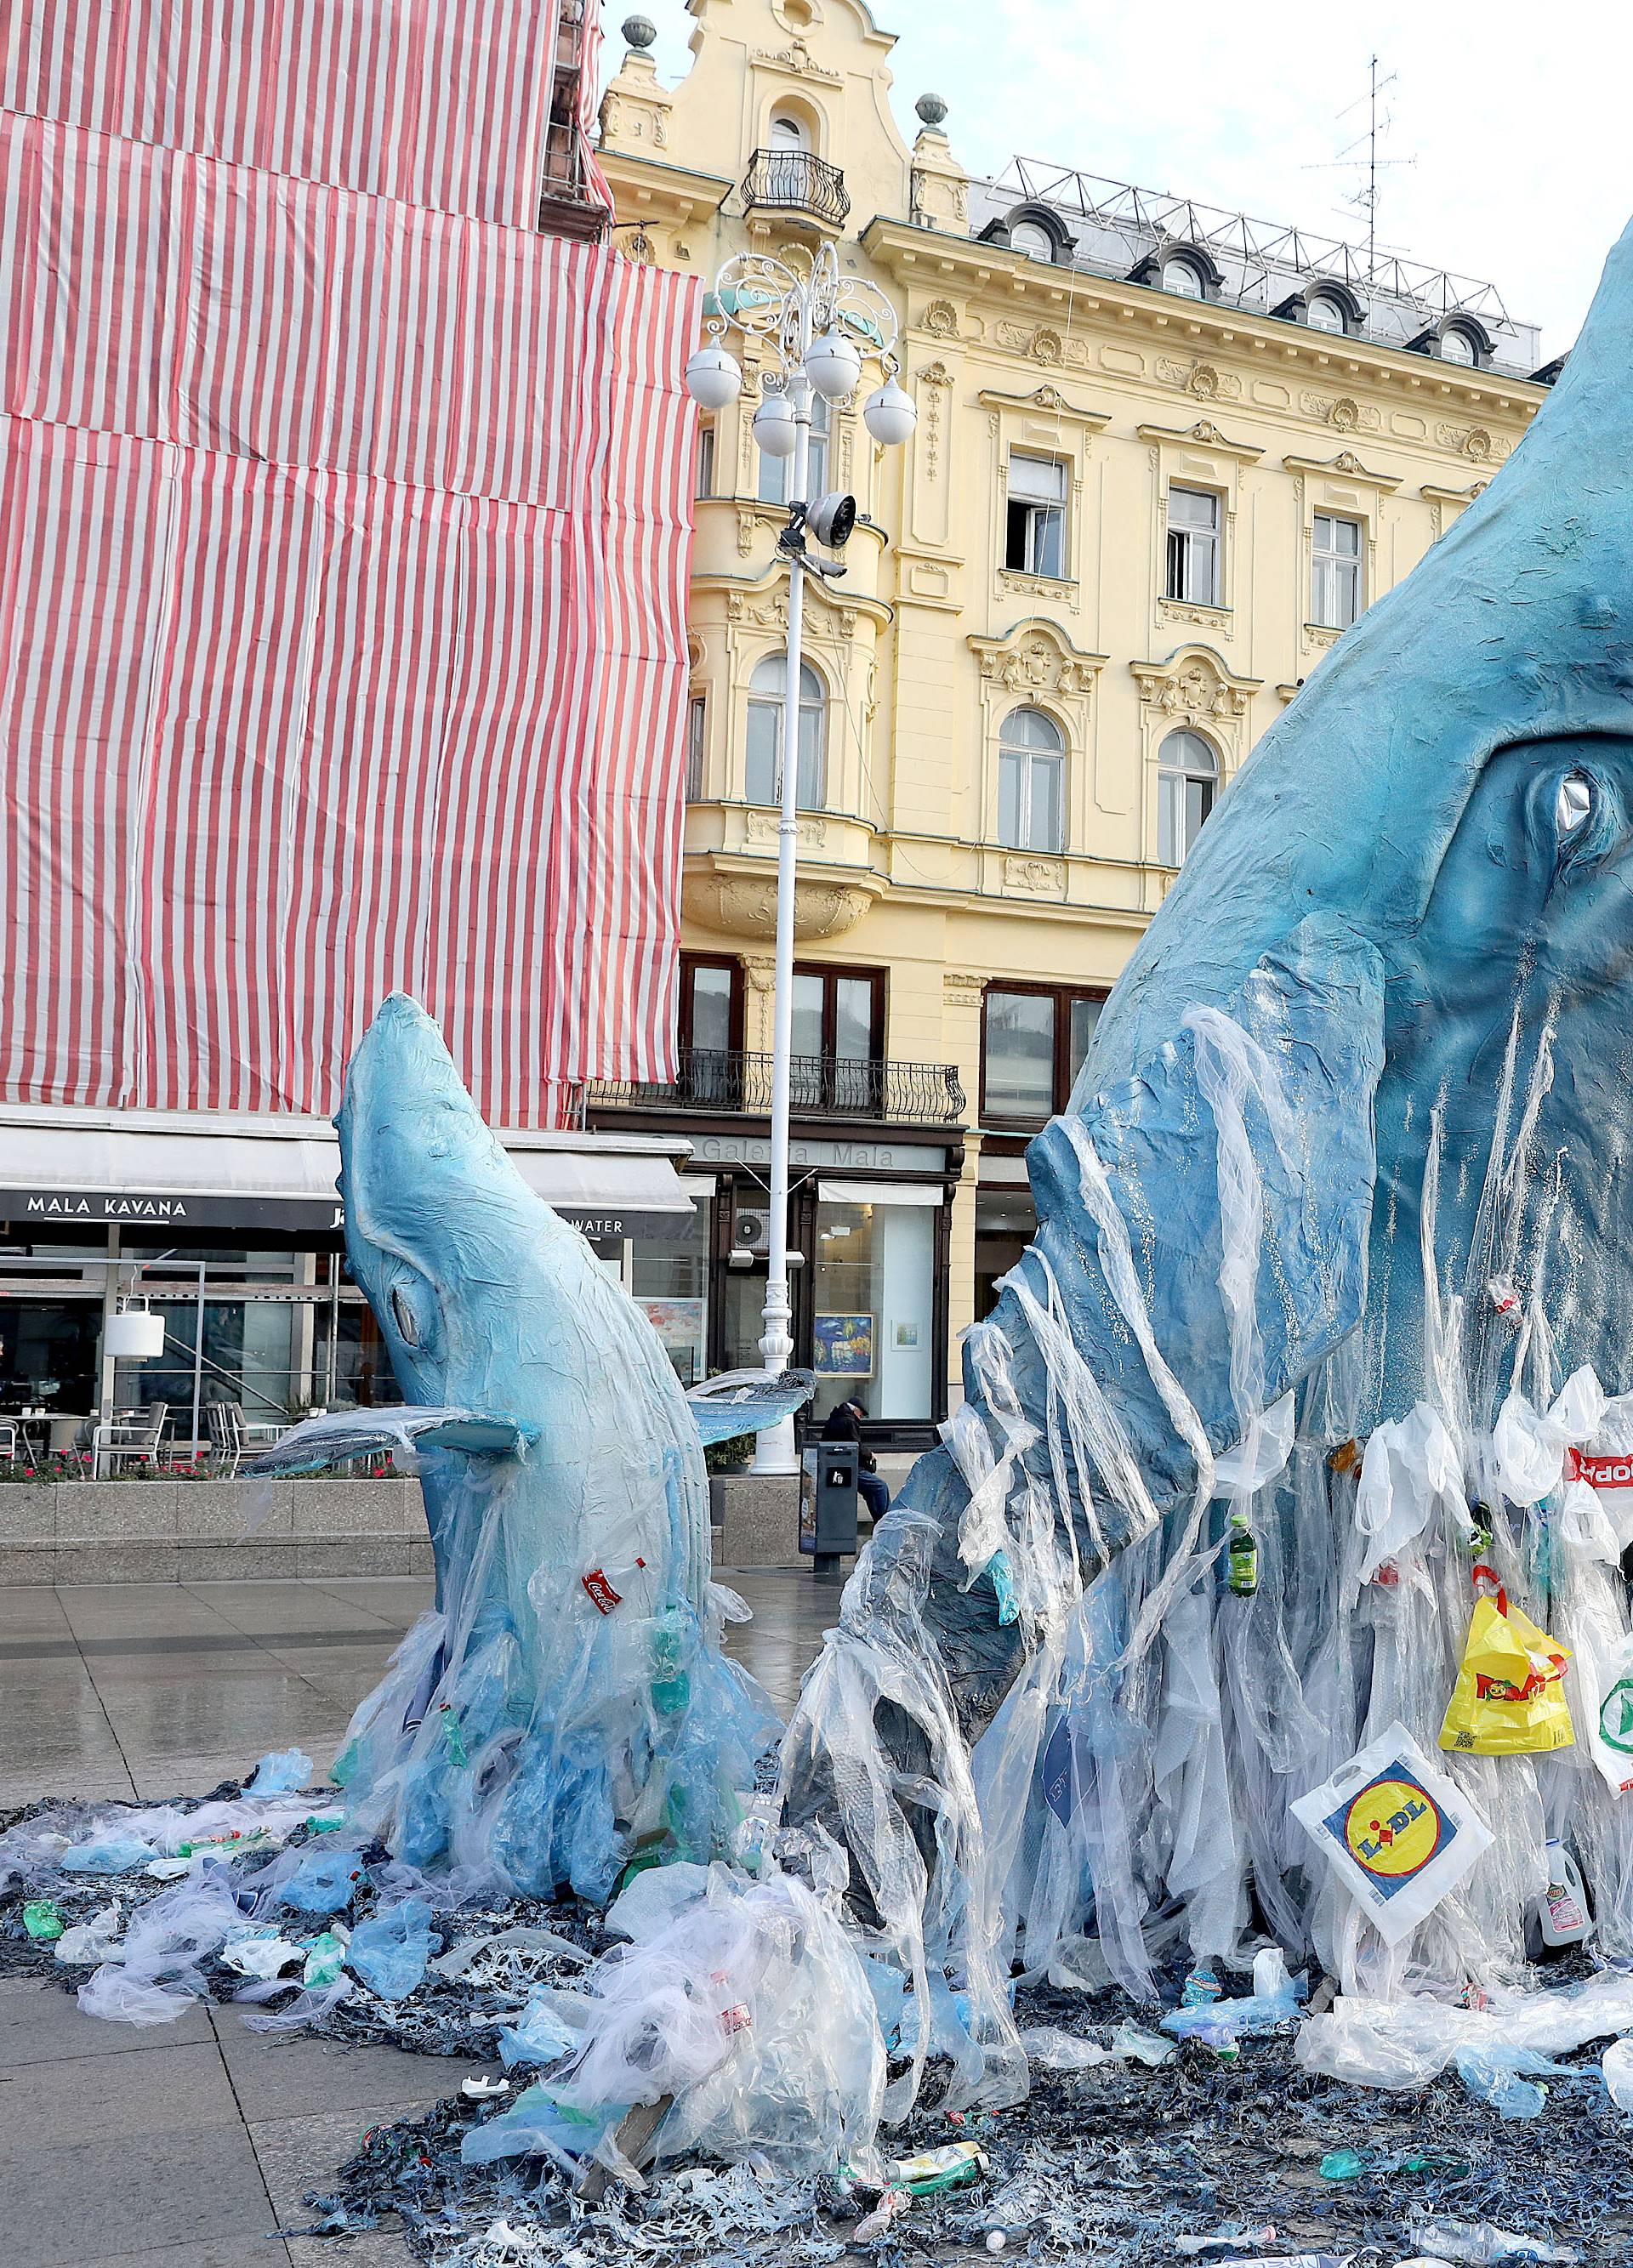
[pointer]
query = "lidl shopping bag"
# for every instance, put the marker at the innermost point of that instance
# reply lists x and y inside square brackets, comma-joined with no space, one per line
[1398,1831]
[1510,1696]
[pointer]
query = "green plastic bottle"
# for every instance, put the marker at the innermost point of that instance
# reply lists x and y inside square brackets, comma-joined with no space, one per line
[1242,1559]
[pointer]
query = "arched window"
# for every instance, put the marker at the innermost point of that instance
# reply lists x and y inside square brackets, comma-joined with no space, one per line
[790,131]
[1323,313]
[1188,781]
[1456,345]
[765,742]
[1031,781]
[1032,238]
[1183,277]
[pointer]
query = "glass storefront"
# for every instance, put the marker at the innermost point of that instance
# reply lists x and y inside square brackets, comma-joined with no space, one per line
[872,1320]
[669,1278]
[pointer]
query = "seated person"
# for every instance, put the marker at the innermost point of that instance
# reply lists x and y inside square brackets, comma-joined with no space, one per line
[845,1424]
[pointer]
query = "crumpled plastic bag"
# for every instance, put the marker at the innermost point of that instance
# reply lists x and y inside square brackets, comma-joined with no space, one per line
[1506,2077]
[1275,2001]
[1528,1449]
[749,2011]
[156,1974]
[90,1940]
[1410,1466]
[1403,2044]
[262,1953]
[549,2028]
[323,1882]
[1482,2244]
[1054,2050]
[280,1772]
[1509,1699]
[388,1952]
[114,1852]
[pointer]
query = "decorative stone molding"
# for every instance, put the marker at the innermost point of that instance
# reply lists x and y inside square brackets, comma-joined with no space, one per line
[798,62]
[939,187]
[745,905]
[1318,637]
[1038,587]
[940,319]
[1346,466]
[1201,379]
[1203,434]
[1216,619]
[696,652]
[635,109]
[1050,402]
[760,825]
[1035,877]
[1194,686]
[934,385]
[1454,501]
[1343,414]
[1036,657]
[962,987]
[1473,442]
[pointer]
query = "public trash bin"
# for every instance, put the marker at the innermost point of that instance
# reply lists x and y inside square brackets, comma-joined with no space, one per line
[828,1506]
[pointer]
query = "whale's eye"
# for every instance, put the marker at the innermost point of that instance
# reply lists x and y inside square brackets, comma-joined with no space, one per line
[404,1316]
[1576,801]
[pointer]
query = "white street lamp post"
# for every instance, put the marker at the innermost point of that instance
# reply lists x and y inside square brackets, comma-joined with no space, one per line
[818,329]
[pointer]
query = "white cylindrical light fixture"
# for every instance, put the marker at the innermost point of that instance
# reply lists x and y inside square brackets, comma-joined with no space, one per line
[136,1333]
[775,427]
[714,377]
[890,415]
[833,366]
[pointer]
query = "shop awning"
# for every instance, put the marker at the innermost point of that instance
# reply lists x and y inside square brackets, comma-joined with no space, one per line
[203,1171]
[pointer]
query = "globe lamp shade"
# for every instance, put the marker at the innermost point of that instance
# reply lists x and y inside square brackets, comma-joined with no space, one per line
[833,366]
[890,415]
[714,377]
[774,426]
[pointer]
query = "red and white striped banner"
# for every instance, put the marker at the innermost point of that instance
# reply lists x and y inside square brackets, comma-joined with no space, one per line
[444,104]
[343,552]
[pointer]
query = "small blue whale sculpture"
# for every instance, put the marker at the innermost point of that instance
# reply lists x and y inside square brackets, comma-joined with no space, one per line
[567,1703]
[1356,1132]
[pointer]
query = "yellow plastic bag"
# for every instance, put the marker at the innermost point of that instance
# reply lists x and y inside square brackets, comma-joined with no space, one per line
[1510,1696]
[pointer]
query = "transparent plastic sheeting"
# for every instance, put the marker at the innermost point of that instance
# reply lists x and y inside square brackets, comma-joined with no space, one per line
[538,1728]
[1137,1772]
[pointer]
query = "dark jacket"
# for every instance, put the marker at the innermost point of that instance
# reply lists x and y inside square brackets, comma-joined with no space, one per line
[843,1424]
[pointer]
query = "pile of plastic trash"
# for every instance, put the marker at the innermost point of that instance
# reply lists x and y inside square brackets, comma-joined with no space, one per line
[700,2072]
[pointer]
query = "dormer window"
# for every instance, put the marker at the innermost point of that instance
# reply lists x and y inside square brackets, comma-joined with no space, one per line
[1323,313]
[1033,239]
[1183,278]
[1457,346]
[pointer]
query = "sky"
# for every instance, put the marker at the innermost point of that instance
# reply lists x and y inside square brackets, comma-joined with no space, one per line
[1514,119]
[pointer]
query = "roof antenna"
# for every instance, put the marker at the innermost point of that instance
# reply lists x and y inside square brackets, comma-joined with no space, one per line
[1361,155]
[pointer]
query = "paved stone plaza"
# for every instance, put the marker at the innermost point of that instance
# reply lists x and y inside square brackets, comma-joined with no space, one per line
[181,2147]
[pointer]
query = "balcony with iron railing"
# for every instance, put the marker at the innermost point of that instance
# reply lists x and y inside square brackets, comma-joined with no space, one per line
[794,182]
[730,1082]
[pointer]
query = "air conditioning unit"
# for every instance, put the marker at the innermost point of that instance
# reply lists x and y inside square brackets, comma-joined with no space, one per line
[751,1228]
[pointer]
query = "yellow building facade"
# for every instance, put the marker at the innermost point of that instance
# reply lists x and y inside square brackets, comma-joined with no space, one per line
[1161,461]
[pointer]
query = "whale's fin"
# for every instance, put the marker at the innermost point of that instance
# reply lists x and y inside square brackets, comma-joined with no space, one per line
[319,1443]
[723,1408]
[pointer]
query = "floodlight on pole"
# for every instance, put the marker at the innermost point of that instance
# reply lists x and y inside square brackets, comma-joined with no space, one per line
[815,333]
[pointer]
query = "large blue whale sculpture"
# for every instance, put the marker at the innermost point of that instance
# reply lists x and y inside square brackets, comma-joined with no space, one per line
[567,1702]
[1374,1054]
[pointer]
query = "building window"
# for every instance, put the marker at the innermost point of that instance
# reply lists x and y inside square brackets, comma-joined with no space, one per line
[697,736]
[1034,534]
[1335,593]
[1323,313]
[837,1039]
[1188,781]
[788,131]
[1184,278]
[765,742]
[1032,1048]
[776,472]
[704,486]
[1033,239]
[874,1298]
[1192,556]
[710,1031]
[1031,781]
[1456,346]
